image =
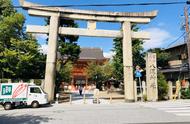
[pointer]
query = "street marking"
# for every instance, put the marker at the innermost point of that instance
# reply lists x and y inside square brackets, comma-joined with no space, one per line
[182,108]
[179,111]
[176,108]
[183,114]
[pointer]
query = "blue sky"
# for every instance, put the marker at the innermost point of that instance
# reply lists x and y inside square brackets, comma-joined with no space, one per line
[164,29]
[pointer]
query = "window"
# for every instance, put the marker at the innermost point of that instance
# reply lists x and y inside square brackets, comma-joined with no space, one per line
[35,90]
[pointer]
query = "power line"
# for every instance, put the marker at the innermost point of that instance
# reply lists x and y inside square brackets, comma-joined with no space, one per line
[100,5]
[176,39]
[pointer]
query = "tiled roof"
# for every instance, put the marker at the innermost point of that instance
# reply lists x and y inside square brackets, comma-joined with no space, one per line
[176,45]
[88,53]
[172,70]
[91,53]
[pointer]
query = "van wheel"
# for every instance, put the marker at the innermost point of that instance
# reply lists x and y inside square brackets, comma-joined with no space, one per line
[7,106]
[35,104]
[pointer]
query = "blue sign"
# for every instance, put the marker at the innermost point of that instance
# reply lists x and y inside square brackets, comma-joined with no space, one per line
[138,73]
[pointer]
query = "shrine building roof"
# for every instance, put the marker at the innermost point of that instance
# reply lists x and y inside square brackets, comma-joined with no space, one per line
[91,53]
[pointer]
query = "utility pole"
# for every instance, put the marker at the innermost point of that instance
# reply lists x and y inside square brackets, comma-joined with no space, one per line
[187,33]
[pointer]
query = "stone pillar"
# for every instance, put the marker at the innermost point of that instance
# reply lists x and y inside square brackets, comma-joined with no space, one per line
[9,81]
[42,83]
[170,90]
[144,87]
[51,57]
[127,63]
[151,77]
[91,25]
[32,81]
[135,90]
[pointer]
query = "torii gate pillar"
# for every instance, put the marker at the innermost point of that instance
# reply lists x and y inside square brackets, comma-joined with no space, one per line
[51,57]
[127,62]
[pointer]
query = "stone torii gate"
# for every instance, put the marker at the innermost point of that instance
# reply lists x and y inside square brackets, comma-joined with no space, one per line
[53,29]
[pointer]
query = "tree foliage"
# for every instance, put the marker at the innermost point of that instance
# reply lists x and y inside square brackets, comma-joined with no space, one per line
[162,57]
[99,73]
[138,55]
[19,53]
[67,44]
[63,73]
[69,52]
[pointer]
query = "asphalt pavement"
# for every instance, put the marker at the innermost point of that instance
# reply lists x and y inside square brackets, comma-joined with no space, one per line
[116,113]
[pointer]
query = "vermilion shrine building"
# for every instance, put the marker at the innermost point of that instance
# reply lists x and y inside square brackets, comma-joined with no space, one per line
[87,55]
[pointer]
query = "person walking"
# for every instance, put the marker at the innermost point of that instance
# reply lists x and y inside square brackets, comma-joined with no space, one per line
[80,90]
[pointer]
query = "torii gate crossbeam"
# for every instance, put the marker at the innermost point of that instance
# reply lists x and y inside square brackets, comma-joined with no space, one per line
[55,13]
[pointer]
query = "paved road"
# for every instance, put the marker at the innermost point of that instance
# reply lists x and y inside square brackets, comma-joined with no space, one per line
[178,108]
[120,113]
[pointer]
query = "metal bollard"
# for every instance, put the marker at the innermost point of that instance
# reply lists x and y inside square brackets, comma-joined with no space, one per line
[57,98]
[84,99]
[70,100]
[135,90]
[97,99]
[110,98]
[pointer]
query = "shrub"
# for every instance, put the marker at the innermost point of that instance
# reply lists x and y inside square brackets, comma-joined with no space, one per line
[144,98]
[162,87]
[185,93]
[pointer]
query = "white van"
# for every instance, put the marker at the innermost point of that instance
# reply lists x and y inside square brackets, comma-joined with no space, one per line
[16,94]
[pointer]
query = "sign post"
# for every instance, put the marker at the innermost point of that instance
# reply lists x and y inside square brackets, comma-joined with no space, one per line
[138,76]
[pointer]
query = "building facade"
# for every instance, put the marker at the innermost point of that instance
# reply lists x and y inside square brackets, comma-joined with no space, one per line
[178,63]
[87,55]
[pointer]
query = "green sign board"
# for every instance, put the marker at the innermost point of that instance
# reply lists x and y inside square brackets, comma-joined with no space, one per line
[6,90]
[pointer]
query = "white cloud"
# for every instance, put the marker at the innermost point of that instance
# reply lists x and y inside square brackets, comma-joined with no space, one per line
[161,24]
[44,48]
[109,54]
[158,38]
[40,36]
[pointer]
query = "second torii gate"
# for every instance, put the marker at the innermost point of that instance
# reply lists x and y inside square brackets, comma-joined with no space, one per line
[53,29]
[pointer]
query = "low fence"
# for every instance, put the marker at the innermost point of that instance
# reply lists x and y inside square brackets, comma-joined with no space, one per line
[174,90]
[89,97]
[140,91]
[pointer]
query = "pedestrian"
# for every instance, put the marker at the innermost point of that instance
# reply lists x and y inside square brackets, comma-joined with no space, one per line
[80,90]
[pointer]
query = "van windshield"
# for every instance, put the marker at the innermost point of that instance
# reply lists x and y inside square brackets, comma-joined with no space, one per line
[43,91]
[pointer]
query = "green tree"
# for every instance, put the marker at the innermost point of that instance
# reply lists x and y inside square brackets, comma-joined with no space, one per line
[99,73]
[19,53]
[63,73]
[95,74]
[68,49]
[162,57]
[138,55]
[107,70]
[67,44]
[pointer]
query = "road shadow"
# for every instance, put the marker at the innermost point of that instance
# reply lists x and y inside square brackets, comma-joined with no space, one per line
[23,119]
[26,107]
